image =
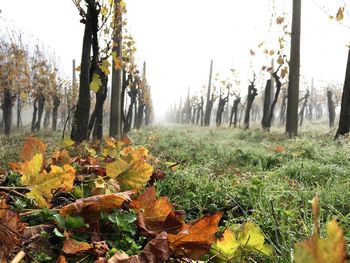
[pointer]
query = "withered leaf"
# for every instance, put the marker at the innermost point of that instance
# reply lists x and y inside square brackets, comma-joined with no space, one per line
[93,205]
[31,147]
[157,250]
[196,240]
[72,246]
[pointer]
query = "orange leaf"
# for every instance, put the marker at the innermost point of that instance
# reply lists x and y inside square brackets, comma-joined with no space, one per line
[151,208]
[31,147]
[71,246]
[196,240]
[279,149]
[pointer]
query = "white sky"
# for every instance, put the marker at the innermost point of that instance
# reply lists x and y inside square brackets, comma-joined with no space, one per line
[178,38]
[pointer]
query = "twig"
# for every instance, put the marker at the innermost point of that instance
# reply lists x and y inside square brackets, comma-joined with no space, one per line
[18,257]
[65,123]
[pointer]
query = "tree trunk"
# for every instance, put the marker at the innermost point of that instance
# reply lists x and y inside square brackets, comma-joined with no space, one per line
[35,112]
[7,110]
[41,104]
[302,111]
[56,104]
[115,127]
[47,118]
[252,93]
[331,108]
[19,109]
[209,105]
[344,118]
[267,103]
[82,112]
[294,68]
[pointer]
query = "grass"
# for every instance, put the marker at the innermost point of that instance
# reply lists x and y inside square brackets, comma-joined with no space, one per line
[240,173]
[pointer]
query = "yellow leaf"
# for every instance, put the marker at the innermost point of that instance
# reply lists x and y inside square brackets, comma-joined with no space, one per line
[238,241]
[42,184]
[280,60]
[340,14]
[67,142]
[31,169]
[318,250]
[96,83]
[105,67]
[136,176]
[272,52]
[104,11]
[122,5]
[116,168]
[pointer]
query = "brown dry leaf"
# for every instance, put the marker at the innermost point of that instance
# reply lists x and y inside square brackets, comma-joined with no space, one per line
[62,259]
[280,149]
[152,209]
[280,20]
[93,205]
[196,240]
[340,14]
[157,250]
[156,215]
[72,246]
[31,147]
[11,230]
[61,157]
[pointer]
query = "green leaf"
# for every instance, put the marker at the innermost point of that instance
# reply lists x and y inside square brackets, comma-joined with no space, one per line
[74,222]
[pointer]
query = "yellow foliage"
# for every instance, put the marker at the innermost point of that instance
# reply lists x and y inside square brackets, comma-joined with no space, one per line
[96,83]
[240,240]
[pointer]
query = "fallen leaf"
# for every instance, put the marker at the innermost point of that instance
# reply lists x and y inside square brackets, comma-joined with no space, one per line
[157,250]
[11,230]
[41,185]
[196,240]
[322,250]
[238,241]
[72,246]
[31,147]
[91,207]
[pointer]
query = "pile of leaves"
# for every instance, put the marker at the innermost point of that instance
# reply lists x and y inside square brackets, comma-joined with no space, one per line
[96,202]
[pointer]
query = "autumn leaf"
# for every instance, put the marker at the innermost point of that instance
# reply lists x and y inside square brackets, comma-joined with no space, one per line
[284,72]
[252,52]
[31,147]
[72,246]
[67,142]
[340,14]
[118,63]
[104,11]
[96,83]
[91,207]
[11,230]
[280,60]
[42,184]
[156,215]
[279,149]
[195,241]
[157,250]
[240,240]
[30,169]
[152,209]
[322,250]
[105,67]
[136,176]
[280,20]
[116,168]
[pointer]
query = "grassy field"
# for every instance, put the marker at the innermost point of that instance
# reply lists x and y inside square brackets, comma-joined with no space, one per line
[257,176]
[249,175]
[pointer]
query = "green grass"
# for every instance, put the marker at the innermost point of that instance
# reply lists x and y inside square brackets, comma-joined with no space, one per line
[240,173]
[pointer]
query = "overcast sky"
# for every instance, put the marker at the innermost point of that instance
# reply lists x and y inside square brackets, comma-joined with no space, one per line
[178,38]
